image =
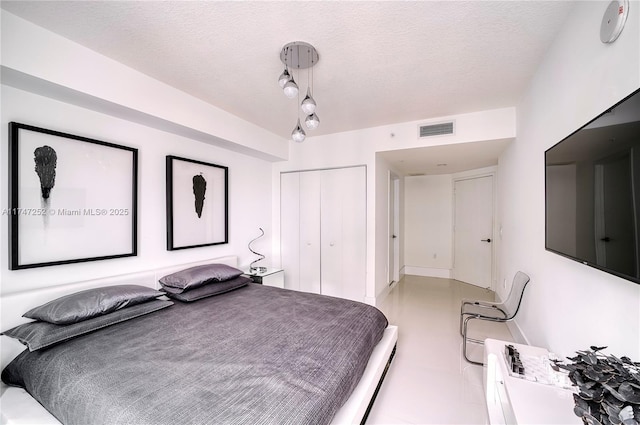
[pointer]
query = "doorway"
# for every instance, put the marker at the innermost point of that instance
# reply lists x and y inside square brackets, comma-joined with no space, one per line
[615,244]
[473,230]
[393,263]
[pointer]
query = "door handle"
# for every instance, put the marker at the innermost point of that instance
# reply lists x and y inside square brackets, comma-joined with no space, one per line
[486,240]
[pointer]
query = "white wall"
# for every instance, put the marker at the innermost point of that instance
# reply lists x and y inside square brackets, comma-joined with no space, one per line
[249,191]
[51,82]
[360,147]
[568,306]
[430,221]
[428,217]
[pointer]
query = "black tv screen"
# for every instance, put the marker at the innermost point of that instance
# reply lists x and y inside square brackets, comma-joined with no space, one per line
[592,192]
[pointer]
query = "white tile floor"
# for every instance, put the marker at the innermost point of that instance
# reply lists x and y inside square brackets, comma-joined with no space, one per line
[429,382]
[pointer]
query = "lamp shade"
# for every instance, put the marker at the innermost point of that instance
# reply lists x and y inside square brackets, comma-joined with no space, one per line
[298,135]
[308,104]
[312,121]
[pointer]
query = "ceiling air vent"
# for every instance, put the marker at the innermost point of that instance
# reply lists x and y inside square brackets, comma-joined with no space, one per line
[439,129]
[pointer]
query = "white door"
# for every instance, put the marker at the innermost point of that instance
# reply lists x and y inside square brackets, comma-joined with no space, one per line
[310,232]
[290,228]
[343,233]
[615,244]
[394,229]
[473,231]
[323,231]
[300,230]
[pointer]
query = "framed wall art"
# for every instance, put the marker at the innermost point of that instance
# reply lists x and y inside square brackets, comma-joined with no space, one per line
[72,199]
[197,198]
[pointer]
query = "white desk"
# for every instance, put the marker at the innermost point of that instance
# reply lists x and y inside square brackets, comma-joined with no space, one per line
[513,400]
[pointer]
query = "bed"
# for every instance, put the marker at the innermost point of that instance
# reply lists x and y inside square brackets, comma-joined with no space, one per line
[254,354]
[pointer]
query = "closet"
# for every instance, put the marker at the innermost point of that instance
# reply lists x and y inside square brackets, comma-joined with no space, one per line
[323,231]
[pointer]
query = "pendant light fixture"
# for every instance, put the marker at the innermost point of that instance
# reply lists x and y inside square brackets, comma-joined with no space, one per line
[312,122]
[284,78]
[308,105]
[295,56]
[298,134]
[291,89]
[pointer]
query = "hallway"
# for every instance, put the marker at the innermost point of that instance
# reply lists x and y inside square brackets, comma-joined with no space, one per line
[429,382]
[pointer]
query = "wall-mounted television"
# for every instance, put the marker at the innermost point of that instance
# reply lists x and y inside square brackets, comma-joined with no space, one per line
[592,192]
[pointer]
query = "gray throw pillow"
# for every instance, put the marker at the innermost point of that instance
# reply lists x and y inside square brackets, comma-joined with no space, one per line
[94,302]
[193,277]
[38,335]
[211,289]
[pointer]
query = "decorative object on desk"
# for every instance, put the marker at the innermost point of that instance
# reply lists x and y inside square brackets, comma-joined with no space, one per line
[197,211]
[513,359]
[609,387]
[252,268]
[72,199]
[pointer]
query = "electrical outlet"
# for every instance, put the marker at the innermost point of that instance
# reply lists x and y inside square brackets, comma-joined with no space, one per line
[435,256]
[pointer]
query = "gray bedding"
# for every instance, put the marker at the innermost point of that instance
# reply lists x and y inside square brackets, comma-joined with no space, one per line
[255,355]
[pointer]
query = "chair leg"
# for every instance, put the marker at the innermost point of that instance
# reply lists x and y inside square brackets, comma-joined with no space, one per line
[462,315]
[464,341]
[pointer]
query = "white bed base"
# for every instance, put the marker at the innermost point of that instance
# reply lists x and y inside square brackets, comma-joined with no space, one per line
[17,407]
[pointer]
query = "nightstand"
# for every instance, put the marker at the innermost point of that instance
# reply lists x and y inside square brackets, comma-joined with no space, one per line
[270,277]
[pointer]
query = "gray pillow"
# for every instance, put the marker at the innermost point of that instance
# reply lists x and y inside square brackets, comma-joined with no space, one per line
[211,289]
[84,305]
[193,277]
[38,335]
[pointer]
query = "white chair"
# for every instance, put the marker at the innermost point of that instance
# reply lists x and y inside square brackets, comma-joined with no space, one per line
[493,312]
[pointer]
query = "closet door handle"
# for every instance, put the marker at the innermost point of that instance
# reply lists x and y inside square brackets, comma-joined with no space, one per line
[331,244]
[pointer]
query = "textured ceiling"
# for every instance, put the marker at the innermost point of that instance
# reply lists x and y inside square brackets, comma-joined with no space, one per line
[380,62]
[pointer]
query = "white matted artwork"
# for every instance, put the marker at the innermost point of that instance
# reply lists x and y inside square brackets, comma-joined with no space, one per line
[196,203]
[72,199]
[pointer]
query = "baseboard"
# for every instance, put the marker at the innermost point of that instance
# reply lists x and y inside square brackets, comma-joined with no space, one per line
[517,333]
[427,272]
[382,295]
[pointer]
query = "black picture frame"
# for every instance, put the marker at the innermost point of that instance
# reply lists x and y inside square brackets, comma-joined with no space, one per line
[72,199]
[197,203]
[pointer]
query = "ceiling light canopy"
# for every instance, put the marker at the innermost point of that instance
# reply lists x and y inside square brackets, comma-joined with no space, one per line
[299,55]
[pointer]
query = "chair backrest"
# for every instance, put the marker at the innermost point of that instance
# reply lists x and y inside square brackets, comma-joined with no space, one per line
[512,304]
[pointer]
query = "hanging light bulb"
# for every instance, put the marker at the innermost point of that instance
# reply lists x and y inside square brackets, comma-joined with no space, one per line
[298,133]
[312,121]
[284,78]
[308,104]
[291,89]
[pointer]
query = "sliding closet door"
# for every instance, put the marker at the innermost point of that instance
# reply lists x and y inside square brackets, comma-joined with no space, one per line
[300,230]
[290,229]
[323,231]
[309,243]
[343,232]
